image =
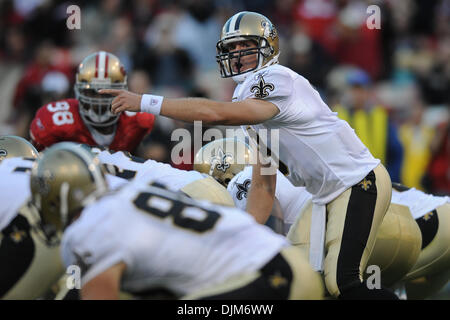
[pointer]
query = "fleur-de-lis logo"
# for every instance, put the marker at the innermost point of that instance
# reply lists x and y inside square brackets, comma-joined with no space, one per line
[365,184]
[220,160]
[277,280]
[269,30]
[243,189]
[261,88]
[428,216]
[17,235]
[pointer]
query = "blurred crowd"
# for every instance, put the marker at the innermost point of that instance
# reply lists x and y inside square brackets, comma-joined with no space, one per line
[391,84]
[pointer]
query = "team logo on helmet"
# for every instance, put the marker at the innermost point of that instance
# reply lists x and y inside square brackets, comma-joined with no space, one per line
[221,160]
[261,88]
[3,153]
[269,31]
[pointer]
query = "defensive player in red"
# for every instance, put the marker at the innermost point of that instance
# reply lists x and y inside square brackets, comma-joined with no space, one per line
[88,119]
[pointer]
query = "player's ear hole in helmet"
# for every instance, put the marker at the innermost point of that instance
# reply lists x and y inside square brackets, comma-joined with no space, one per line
[64,180]
[100,70]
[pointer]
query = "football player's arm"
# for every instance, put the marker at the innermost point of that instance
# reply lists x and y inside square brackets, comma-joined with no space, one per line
[275,220]
[261,195]
[105,286]
[249,111]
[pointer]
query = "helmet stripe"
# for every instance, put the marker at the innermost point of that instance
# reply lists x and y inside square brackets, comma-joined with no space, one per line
[233,21]
[106,66]
[94,171]
[101,64]
[238,21]
[227,25]
[96,66]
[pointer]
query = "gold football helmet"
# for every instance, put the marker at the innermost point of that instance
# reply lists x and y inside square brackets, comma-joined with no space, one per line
[63,181]
[15,146]
[100,70]
[246,26]
[223,159]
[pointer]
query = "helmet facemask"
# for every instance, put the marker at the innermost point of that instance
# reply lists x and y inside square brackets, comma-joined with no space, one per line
[95,108]
[99,70]
[228,59]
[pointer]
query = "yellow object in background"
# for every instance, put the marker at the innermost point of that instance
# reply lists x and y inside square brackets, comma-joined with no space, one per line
[370,126]
[416,143]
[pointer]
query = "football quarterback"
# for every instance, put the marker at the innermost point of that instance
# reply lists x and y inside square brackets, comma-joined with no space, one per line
[351,190]
[88,119]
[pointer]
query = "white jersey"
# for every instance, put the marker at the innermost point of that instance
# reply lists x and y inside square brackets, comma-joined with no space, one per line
[131,167]
[292,199]
[14,187]
[419,203]
[166,243]
[321,151]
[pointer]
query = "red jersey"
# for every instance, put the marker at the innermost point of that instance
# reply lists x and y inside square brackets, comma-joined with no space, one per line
[61,121]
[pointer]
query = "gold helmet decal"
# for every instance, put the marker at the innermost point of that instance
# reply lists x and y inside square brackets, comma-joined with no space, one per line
[15,146]
[241,27]
[62,182]
[100,70]
[223,159]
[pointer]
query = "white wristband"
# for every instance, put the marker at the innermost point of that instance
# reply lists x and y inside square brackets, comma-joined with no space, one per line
[151,104]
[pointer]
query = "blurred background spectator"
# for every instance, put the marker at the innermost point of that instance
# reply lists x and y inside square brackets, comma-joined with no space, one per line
[371,121]
[392,84]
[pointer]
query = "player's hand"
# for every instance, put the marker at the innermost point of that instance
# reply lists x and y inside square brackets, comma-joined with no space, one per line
[124,100]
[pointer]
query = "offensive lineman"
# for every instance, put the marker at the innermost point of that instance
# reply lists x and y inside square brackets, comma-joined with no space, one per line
[351,189]
[431,271]
[87,119]
[29,263]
